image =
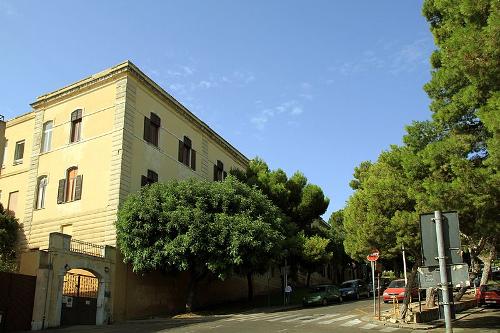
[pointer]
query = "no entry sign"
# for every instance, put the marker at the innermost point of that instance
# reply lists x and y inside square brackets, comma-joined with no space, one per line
[373,256]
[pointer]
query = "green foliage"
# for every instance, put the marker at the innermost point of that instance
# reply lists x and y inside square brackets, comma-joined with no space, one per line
[8,238]
[315,250]
[199,226]
[300,202]
[450,162]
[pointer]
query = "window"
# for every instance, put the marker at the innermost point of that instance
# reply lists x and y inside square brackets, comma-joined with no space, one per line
[187,155]
[12,205]
[40,194]
[19,152]
[219,173]
[67,229]
[152,129]
[76,125]
[46,137]
[151,178]
[70,188]
[4,153]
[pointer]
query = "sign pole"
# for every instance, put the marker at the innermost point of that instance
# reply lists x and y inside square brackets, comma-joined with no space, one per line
[373,285]
[442,270]
[404,265]
[378,289]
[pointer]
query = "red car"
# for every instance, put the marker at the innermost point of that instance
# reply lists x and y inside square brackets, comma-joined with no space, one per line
[396,290]
[488,294]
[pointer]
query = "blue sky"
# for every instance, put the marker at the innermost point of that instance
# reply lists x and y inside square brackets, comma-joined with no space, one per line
[315,86]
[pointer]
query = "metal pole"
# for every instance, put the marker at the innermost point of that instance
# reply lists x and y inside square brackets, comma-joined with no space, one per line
[373,285]
[442,270]
[378,289]
[286,284]
[404,265]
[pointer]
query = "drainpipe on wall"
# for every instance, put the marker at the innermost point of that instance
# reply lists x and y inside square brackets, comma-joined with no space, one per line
[2,139]
[47,290]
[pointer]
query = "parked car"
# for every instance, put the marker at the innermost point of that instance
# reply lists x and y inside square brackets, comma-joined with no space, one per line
[384,283]
[322,295]
[488,294]
[396,290]
[354,289]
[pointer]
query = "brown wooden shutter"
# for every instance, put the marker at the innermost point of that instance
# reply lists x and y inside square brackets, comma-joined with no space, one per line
[152,177]
[193,159]
[147,129]
[181,151]
[60,190]
[215,172]
[78,187]
[187,142]
[144,181]
[224,175]
[155,120]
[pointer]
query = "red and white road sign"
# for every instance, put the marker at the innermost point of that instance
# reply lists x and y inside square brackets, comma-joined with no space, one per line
[373,256]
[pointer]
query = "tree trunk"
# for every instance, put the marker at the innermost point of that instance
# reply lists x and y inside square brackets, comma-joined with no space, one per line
[487,261]
[308,278]
[250,286]
[474,269]
[190,293]
[194,278]
[430,297]
[411,279]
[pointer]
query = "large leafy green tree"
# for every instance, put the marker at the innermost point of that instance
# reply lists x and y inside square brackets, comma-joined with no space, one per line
[315,253]
[300,203]
[465,103]
[8,238]
[200,227]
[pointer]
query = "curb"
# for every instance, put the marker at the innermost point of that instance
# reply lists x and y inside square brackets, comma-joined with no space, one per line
[423,326]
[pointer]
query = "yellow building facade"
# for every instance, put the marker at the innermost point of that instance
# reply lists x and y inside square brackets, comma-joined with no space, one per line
[69,163]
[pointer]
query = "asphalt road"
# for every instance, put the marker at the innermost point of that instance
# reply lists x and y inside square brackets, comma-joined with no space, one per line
[348,317]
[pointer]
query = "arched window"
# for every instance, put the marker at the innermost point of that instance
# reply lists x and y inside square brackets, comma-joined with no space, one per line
[40,194]
[46,136]
[70,188]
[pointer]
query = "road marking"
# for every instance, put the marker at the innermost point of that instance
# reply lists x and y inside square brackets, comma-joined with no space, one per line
[282,317]
[267,316]
[298,318]
[351,322]
[216,326]
[368,326]
[336,319]
[389,329]
[321,318]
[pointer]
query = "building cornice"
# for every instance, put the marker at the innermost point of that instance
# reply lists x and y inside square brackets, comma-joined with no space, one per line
[20,119]
[129,68]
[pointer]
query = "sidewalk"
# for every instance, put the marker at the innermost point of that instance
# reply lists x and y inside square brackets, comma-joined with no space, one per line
[423,326]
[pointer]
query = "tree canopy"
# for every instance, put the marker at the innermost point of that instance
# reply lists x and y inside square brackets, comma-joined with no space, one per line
[449,162]
[200,227]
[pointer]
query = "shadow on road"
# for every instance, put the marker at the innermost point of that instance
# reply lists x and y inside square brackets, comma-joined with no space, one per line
[143,326]
[489,318]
